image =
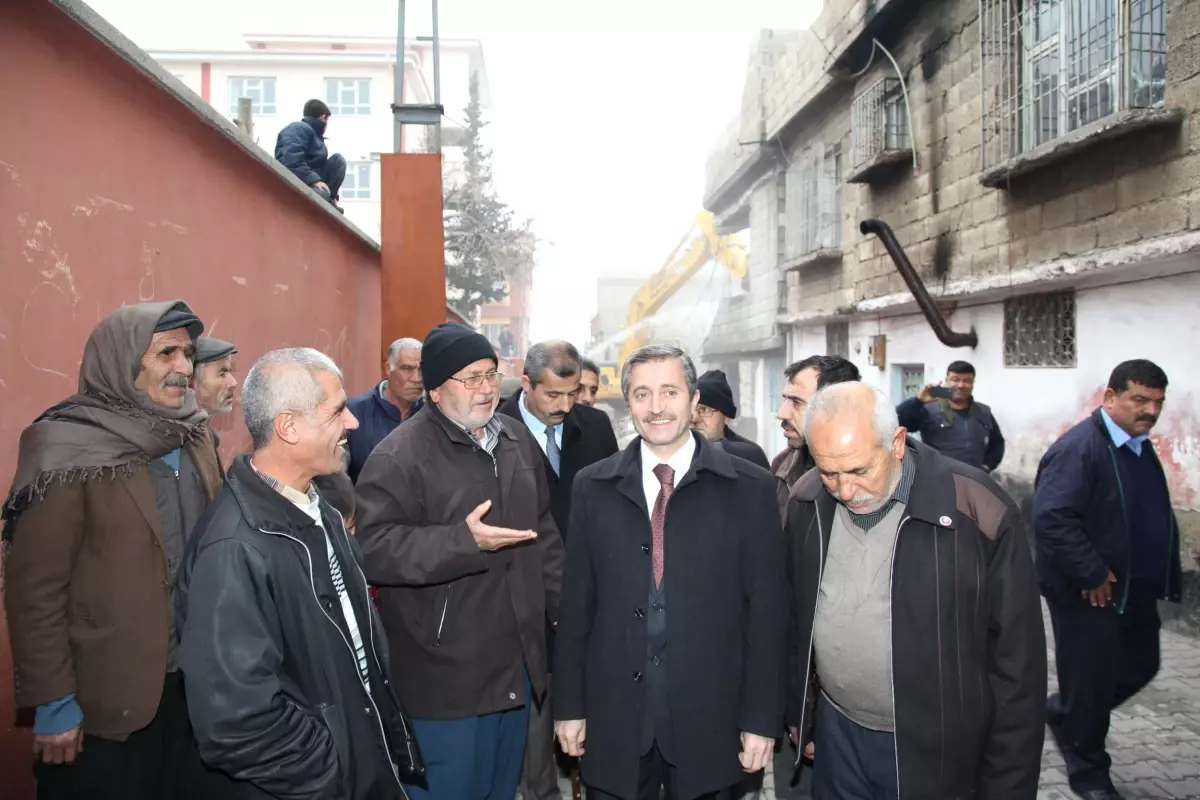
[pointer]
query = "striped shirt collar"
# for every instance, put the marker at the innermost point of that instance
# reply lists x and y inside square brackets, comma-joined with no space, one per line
[908,473]
[302,499]
[491,434]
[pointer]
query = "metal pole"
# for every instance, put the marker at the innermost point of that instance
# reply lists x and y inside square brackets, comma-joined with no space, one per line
[437,79]
[245,115]
[398,90]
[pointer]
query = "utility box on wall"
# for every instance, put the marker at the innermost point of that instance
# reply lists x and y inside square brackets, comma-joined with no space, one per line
[877,351]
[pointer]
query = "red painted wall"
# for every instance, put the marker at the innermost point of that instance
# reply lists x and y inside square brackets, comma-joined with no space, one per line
[112,191]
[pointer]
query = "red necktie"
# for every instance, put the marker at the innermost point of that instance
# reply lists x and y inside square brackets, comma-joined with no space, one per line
[658,519]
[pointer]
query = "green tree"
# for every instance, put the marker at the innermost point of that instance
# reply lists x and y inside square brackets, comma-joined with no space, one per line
[484,240]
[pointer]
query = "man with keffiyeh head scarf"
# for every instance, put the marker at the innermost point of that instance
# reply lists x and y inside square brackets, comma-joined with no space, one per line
[108,485]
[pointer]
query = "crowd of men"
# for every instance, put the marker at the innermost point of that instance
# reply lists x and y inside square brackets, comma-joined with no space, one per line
[421,590]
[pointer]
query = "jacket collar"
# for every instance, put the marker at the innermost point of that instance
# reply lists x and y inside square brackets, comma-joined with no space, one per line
[455,433]
[391,409]
[570,426]
[932,499]
[262,507]
[626,470]
[316,125]
[707,457]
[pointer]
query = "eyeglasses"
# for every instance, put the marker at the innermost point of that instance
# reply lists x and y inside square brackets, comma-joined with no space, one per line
[705,412]
[476,381]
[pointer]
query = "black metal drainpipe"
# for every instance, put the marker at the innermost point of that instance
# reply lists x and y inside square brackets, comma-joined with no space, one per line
[915,285]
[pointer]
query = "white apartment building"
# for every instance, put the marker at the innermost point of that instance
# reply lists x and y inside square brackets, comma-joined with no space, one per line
[355,76]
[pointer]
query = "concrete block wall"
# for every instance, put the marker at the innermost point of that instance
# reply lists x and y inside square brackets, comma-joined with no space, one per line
[747,322]
[1109,193]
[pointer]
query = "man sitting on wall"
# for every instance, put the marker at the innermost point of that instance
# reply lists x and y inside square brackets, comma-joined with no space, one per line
[301,148]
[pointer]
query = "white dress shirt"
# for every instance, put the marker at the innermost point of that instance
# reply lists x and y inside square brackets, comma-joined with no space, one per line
[681,462]
[537,427]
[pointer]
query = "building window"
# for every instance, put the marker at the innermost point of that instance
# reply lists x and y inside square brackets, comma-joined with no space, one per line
[1053,66]
[837,339]
[878,122]
[261,92]
[814,202]
[1039,330]
[357,185]
[348,96]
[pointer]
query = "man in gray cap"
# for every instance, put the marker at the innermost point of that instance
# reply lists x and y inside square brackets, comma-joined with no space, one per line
[212,378]
[457,532]
[108,483]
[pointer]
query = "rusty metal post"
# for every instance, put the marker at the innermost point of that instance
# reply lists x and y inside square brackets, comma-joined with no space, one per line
[413,278]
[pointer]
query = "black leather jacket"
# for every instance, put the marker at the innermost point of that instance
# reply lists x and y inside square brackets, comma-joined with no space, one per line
[273,683]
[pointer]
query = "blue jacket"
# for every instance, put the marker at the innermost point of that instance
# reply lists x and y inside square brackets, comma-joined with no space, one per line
[376,419]
[976,441]
[301,148]
[1080,520]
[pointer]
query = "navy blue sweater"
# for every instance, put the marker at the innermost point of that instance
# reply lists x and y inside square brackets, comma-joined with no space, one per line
[1148,505]
[376,419]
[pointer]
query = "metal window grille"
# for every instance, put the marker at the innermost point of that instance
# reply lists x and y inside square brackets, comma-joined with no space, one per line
[261,92]
[1039,330]
[837,339]
[357,185]
[912,379]
[348,96]
[814,202]
[878,121]
[1052,66]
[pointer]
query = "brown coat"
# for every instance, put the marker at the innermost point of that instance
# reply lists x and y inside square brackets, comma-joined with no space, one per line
[788,467]
[461,623]
[88,599]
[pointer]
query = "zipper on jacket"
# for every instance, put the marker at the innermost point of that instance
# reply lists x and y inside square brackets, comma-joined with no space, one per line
[1128,544]
[892,676]
[408,736]
[442,621]
[312,582]
[811,633]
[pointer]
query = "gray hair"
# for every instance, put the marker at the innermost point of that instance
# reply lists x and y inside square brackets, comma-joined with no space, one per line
[561,358]
[837,399]
[587,365]
[283,380]
[659,352]
[401,345]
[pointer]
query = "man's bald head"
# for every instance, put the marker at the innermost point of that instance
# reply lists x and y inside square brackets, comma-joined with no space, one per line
[855,438]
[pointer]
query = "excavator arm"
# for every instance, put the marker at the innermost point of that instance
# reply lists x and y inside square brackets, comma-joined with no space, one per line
[696,249]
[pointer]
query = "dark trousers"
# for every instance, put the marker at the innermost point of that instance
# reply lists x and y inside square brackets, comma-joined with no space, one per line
[1103,659]
[539,777]
[656,779]
[333,174]
[159,762]
[477,758]
[852,762]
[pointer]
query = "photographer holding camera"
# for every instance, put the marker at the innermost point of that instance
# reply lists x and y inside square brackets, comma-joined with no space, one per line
[951,421]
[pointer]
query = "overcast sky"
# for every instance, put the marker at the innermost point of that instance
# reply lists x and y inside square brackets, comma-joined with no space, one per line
[602,113]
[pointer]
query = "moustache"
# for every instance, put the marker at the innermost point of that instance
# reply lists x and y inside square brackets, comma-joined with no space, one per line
[787,426]
[176,380]
[1147,418]
[659,418]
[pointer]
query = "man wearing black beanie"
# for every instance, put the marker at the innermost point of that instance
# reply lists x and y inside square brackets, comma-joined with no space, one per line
[712,418]
[300,147]
[457,533]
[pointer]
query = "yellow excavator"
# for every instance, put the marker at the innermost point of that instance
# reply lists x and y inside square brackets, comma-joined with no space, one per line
[697,248]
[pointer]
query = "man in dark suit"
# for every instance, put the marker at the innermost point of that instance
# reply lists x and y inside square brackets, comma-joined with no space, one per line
[571,437]
[670,523]
[712,417]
